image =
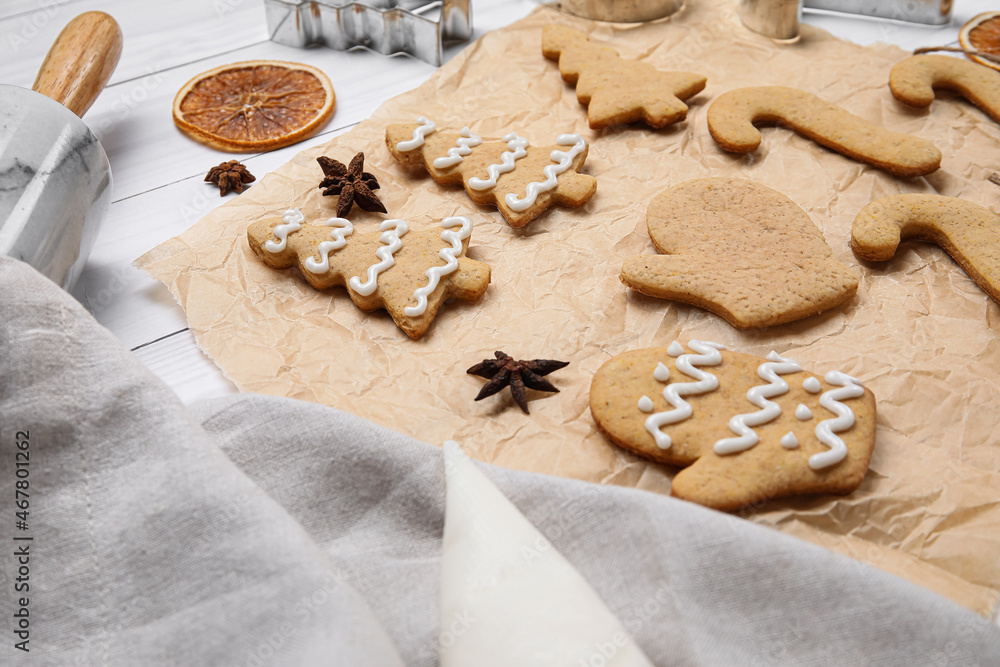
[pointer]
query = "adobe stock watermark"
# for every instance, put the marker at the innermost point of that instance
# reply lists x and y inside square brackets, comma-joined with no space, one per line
[120,280]
[31,24]
[607,648]
[305,607]
[225,7]
[138,92]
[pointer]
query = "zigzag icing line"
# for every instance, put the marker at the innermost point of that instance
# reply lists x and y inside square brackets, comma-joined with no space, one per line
[848,387]
[517,148]
[291,222]
[456,154]
[450,255]
[342,229]
[706,382]
[391,231]
[419,134]
[742,424]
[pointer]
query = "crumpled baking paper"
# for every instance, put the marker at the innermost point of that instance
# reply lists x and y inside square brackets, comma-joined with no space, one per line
[920,333]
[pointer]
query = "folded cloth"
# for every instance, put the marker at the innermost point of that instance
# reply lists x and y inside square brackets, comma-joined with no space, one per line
[256,530]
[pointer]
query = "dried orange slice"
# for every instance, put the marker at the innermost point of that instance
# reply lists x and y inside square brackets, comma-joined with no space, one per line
[982,33]
[256,105]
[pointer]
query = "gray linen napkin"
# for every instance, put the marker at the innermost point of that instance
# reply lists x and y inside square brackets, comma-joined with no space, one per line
[265,531]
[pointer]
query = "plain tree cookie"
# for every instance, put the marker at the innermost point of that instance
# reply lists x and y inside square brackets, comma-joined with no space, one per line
[521,180]
[745,429]
[740,250]
[616,90]
[408,273]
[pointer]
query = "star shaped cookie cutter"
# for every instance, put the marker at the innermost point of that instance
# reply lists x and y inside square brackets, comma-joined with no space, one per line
[416,27]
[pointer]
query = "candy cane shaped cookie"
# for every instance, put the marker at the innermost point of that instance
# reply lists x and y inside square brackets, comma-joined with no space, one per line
[732,116]
[913,81]
[968,232]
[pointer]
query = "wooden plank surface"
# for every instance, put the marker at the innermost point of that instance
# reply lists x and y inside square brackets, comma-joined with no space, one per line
[158,172]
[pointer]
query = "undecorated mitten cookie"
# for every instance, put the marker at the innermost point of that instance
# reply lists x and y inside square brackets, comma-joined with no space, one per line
[747,429]
[970,233]
[616,90]
[740,250]
[408,273]
[521,180]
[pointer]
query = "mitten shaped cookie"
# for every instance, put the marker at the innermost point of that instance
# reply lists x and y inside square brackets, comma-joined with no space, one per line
[740,250]
[616,90]
[747,429]
[519,179]
[408,273]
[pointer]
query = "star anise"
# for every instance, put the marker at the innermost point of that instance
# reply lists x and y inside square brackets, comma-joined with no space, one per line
[352,183]
[505,371]
[229,175]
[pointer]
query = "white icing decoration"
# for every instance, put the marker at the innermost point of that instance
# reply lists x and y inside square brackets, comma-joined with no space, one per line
[706,382]
[564,160]
[812,385]
[789,441]
[449,255]
[291,222]
[391,231]
[662,373]
[847,388]
[758,395]
[455,155]
[516,149]
[675,349]
[646,404]
[342,229]
[425,128]
[803,412]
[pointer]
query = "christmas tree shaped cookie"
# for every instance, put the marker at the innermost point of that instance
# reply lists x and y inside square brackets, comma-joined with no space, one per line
[408,273]
[521,180]
[616,90]
[747,429]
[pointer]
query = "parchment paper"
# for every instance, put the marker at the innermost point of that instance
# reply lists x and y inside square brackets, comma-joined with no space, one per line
[920,333]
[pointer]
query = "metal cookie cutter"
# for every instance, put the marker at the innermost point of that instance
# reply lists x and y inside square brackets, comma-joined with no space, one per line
[779,19]
[416,27]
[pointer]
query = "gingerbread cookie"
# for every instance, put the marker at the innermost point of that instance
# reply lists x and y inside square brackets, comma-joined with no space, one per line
[746,429]
[520,180]
[740,250]
[968,232]
[732,115]
[616,90]
[408,273]
[913,81]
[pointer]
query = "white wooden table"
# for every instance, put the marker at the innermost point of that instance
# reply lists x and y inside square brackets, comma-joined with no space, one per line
[158,172]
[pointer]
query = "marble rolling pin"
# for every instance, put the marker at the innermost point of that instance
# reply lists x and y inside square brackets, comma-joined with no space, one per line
[55,179]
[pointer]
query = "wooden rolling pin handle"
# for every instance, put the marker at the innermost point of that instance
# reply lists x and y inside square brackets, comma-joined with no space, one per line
[81,61]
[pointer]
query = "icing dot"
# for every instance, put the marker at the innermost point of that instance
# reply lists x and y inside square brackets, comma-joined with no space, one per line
[789,441]
[662,373]
[646,404]
[812,385]
[675,349]
[803,412]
